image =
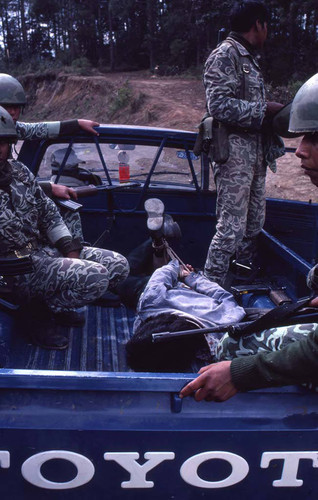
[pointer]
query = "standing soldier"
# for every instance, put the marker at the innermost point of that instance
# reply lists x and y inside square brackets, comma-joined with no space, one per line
[241,146]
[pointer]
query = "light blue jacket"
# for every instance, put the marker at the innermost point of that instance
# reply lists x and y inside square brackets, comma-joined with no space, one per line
[199,299]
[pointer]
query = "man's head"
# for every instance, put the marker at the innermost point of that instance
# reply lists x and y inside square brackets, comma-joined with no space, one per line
[304,120]
[300,117]
[8,135]
[169,356]
[250,18]
[12,95]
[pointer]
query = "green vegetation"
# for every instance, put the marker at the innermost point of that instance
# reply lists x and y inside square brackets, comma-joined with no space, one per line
[81,65]
[123,97]
[122,35]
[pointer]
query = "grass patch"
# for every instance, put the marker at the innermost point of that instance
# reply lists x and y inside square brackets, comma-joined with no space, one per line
[137,102]
[123,98]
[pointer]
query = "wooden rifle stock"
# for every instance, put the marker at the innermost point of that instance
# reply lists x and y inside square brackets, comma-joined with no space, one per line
[89,190]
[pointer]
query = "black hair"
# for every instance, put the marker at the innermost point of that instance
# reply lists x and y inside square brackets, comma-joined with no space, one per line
[245,13]
[170,356]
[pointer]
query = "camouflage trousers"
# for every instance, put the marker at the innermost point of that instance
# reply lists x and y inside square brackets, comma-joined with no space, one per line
[65,284]
[273,339]
[240,210]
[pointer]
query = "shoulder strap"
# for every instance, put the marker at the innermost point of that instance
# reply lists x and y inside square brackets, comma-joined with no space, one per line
[273,318]
[245,62]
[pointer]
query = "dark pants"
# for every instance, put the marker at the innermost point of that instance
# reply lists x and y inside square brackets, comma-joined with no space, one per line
[141,267]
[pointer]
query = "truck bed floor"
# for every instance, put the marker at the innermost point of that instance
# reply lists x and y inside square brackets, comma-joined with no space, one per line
[98,346]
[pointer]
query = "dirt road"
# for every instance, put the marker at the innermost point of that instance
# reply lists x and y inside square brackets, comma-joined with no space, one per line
[142,99]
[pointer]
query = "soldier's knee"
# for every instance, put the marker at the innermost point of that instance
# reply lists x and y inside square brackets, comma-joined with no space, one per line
[120,270]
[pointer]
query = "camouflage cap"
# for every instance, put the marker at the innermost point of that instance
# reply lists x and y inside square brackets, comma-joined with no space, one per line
[304,111]
[7,126]
[11,91]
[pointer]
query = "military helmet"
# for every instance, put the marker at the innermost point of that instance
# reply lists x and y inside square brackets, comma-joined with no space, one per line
[281,122]
[304,111]
[7,127]
[11,91]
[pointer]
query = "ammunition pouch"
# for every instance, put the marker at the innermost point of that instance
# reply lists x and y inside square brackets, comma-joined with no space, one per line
[212,139]
[204,137]
[220,147]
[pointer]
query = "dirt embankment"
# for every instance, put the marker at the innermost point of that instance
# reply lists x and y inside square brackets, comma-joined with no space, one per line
[130,98]
[142,99]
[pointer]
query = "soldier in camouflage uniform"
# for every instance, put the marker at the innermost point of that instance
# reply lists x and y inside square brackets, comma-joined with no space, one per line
[242,146]
[66,275]
[13,99]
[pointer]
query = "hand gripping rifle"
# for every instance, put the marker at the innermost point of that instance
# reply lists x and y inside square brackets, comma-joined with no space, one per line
[91,190]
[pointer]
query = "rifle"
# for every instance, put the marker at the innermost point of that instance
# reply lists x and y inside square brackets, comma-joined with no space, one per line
[281,315]
[221,34]
[277,295]
[91,190]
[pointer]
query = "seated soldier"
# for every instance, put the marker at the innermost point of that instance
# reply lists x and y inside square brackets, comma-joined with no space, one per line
[66,275]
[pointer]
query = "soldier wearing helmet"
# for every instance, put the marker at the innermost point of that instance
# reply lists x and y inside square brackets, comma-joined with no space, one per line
[300,118]
[304,120]
[13,99]
[31,224]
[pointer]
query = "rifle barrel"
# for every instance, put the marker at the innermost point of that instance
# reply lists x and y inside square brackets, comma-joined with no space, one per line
[166,336]
[91,189]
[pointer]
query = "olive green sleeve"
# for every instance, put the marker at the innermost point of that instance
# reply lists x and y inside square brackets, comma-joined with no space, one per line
[296,363]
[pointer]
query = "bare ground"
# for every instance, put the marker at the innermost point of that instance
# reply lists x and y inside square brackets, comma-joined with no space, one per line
[142,99]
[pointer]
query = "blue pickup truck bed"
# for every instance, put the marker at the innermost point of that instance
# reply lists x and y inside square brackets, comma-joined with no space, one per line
[81,424]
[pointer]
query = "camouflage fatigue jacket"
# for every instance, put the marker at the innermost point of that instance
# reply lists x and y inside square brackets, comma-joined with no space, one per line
[27,214]
[235,94]
[31,131]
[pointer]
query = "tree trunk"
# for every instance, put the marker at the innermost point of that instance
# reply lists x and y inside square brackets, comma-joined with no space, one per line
[151,4]
[25,48]
[111,38]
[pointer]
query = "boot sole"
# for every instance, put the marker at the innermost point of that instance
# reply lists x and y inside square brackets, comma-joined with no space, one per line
[155,209]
